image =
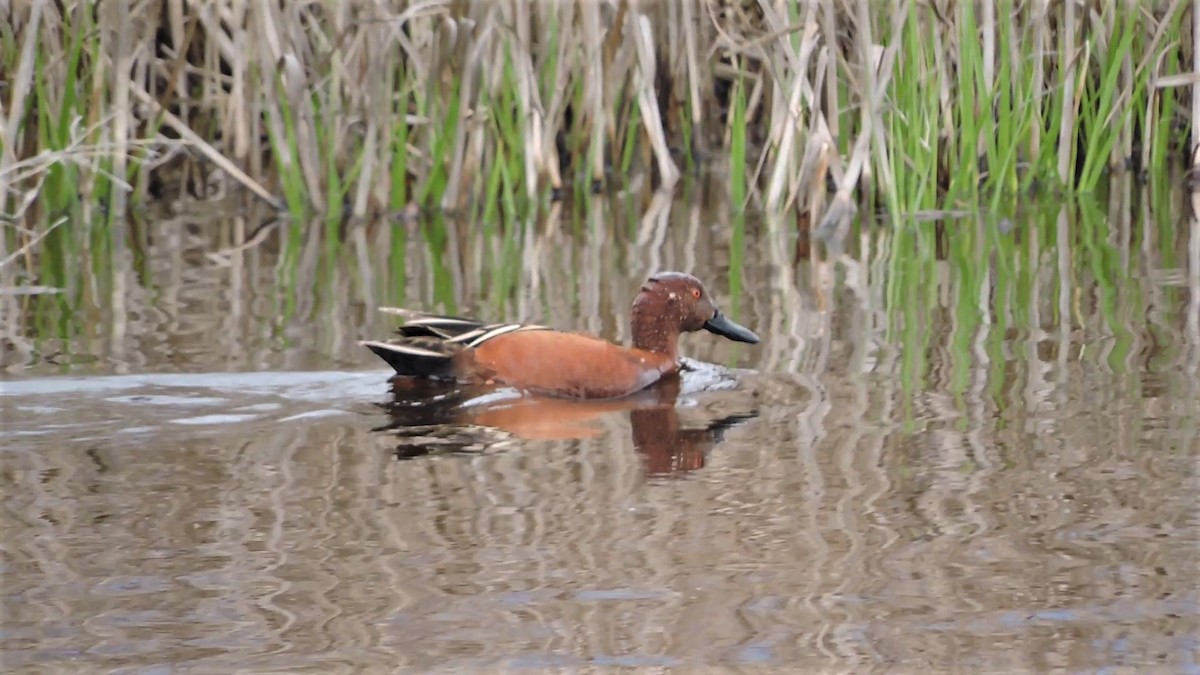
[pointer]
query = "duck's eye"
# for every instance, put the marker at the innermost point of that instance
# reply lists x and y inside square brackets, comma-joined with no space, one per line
[696,293]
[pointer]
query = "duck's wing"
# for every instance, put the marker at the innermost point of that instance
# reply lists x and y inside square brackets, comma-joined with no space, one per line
[421,324]
[424,343]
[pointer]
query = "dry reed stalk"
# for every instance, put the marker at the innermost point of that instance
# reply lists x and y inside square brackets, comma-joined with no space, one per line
[117,36]
[988,30]
[758,93]
[466,154]
[868,63]
[1037,53]
[1153,60]
[34,239]
[793,118]
[1122,150]
[593,94]
[618,60]
[843,206]
[268,54]
[640,28]
[20,85]
[811,177]
[1066,131]
[1195,149]
[879,88]
[777,64]
[527,95]
[831,109]
[555,110]
[941,69]
[373,63]
[691,25]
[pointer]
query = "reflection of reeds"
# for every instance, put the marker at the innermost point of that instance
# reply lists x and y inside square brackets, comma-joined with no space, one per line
[359,107]
[290,299]
[961,444]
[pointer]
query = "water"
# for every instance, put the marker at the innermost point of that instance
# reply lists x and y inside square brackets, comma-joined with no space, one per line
[928,473]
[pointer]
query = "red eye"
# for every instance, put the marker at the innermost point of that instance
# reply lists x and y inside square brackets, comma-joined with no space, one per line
[696,293]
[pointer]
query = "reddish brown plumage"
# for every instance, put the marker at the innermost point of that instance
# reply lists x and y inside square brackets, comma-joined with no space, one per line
[545,361]
[566,364]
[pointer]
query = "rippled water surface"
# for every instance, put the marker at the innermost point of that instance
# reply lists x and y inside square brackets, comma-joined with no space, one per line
[987,468]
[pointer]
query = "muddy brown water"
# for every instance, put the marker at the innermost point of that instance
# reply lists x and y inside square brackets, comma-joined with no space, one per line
[202,482]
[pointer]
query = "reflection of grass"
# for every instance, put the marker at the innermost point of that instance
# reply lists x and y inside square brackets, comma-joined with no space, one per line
[959,296]
[1078,279]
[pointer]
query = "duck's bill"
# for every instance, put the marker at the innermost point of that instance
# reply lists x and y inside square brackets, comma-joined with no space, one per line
[726,328]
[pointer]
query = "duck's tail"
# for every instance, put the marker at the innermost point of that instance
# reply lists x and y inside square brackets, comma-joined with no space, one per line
[416,357]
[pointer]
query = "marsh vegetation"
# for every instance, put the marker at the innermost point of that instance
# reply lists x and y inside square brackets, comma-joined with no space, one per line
[490,108]
[460,118]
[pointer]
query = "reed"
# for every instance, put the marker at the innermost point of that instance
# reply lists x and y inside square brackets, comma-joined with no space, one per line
[487,109]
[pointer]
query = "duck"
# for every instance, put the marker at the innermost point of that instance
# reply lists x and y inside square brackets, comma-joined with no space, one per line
[541,360]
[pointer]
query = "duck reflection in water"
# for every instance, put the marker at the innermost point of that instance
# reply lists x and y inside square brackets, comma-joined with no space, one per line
[434,418]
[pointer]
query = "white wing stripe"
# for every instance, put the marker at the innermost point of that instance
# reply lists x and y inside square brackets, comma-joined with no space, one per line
[494,332]
[470,335]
